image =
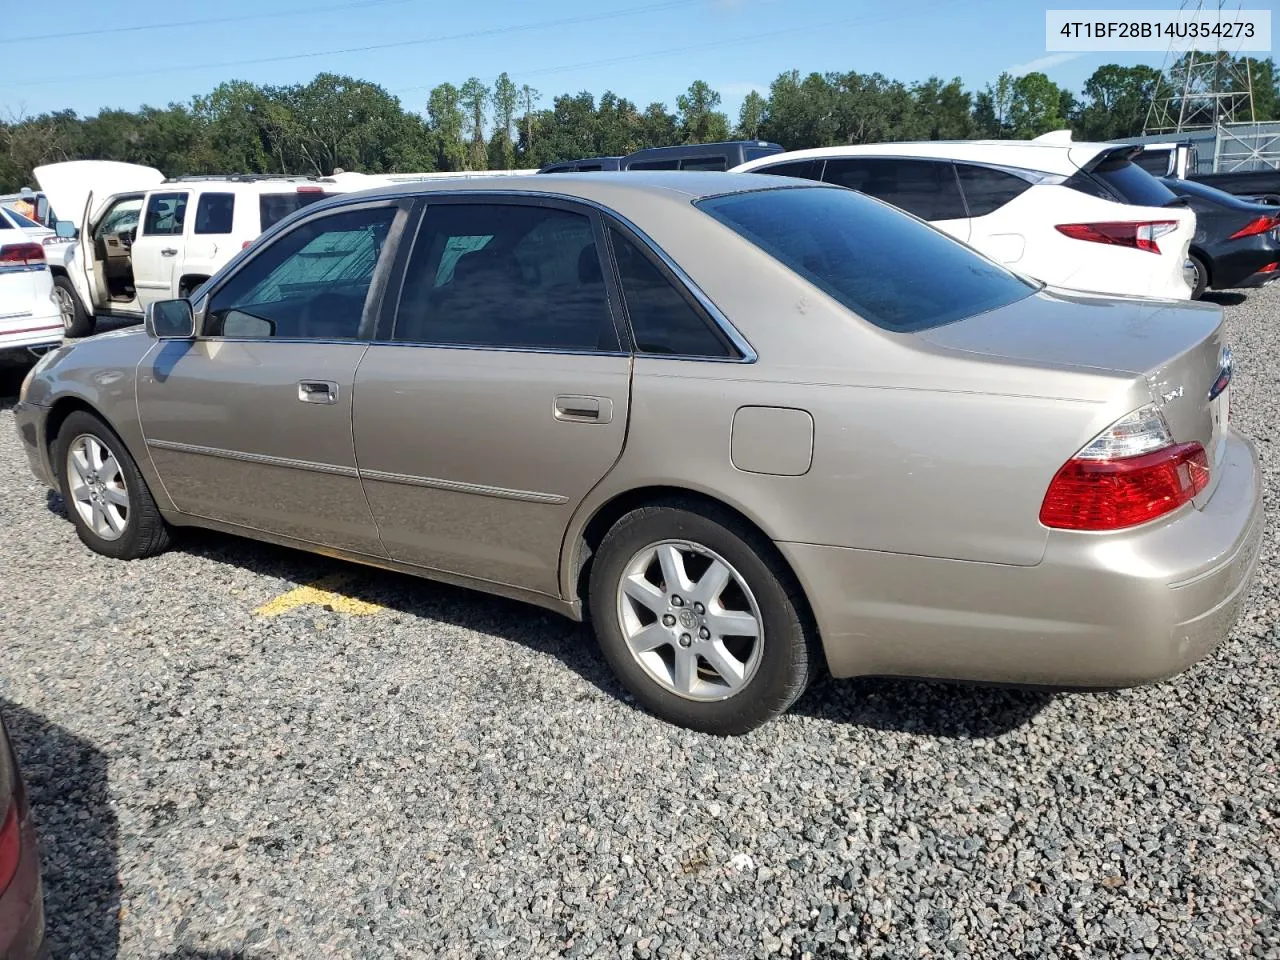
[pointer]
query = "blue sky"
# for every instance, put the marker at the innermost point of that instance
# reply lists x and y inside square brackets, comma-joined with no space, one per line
[644,50]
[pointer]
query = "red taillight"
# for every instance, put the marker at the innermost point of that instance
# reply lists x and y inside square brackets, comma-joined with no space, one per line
[311,189]
[1271,267]
[24,253]
[245,245]
[1256,226]
[1111,494]
[10,846]
[1140,234]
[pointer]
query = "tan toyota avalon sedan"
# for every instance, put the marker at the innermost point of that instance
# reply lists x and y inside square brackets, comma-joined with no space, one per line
[746,425]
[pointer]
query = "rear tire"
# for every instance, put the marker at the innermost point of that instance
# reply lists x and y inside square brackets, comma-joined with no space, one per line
[675,591]
[1201,277]
[76,321]
[107,499]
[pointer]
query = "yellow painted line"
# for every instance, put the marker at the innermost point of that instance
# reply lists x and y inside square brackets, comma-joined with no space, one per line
[324,592]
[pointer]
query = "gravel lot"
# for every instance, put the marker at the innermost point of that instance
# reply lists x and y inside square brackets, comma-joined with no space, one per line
[457,776]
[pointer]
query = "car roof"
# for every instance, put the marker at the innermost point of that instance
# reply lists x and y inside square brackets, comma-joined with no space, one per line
[602,186]
[1049,156]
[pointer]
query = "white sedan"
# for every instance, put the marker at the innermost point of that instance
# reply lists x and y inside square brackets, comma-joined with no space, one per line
[29,315]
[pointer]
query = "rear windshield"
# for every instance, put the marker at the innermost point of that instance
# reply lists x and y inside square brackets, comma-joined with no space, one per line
[1132,184]
[274,207]
[24,222]
[895,271]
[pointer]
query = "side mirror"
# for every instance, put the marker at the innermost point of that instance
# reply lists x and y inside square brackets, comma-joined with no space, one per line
[65,229]
[170,320]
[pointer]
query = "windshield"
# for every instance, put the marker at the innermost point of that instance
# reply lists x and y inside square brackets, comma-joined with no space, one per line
[884,265]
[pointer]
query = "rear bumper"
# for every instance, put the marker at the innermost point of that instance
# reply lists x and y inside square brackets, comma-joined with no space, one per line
[30,423]
[1239,267]
[1099,610]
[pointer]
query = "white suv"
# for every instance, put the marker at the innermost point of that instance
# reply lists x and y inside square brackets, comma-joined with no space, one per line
[143,238]
[1075,215]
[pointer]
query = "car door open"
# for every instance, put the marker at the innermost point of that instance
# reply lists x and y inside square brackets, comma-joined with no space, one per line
[501,395]
[250,423]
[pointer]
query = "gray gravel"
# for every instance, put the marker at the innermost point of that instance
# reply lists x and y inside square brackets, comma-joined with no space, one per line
[457,776]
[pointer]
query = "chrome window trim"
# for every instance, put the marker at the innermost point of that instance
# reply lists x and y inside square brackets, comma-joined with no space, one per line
[740,342]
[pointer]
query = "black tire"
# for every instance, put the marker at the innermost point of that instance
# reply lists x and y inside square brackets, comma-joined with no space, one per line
[144,532]
[1202,277]
[76,322]
[789,655]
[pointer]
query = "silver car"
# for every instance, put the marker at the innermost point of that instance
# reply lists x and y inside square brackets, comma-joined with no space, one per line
[750,426]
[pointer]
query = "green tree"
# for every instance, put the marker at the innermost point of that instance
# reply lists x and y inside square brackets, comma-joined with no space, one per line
[700,121]
[502,147]
[474,97]
[944,109]
[751,115]
[445,122]
[658,127]
[991,109]
[1036,107]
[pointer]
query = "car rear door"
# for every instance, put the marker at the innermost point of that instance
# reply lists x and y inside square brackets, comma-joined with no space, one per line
[998,227]
[497,394]
[925,187]
[160,245]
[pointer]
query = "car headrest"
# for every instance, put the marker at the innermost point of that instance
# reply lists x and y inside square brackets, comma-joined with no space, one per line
[589,265]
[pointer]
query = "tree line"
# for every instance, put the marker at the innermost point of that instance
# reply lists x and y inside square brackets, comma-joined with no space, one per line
[339,122]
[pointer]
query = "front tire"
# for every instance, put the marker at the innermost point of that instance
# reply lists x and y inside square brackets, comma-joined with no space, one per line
[107,499]
[699,618]
[76,322]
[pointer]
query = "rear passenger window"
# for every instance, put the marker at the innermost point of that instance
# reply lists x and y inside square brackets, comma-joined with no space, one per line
[505,276]
[655,165]
[805,169]
[926,188]
[166,213]
[664,319]
[987,190]
[704,163]
[214,212]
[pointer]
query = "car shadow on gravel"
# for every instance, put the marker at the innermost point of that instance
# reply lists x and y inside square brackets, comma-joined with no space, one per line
[931,709]
[928,708]
[1225,298]
[66,778]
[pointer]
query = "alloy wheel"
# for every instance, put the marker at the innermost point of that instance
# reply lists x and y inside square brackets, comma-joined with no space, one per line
[97,485]
[690,620]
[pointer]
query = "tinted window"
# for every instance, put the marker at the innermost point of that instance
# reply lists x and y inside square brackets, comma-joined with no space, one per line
[926,188]
[274,207]
[704,163]
[987,190]
[751,153]
[664,318]
[1155,162]
[806,169]
[1130,183]
[655,165]
[166,213]
[890,269]
[309,284]
[214,212]
[25,223]
[505,275]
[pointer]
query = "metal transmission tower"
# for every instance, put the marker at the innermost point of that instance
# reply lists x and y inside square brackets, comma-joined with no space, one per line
[1201,89]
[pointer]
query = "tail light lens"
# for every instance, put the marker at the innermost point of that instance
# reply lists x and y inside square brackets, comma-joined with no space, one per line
[1256,226]
[1139,234]
[1271,267]
[1131,473]
[311,189]
[26,254]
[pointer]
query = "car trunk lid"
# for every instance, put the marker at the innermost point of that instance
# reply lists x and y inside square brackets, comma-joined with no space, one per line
[1176,348]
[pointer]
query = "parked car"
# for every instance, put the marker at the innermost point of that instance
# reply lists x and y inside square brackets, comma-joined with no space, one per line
[21,890]
[13,220]
[1237,243]
[753,425]
[134,240]
[1076,215]
[1181,160]
[29,319]
[689,156]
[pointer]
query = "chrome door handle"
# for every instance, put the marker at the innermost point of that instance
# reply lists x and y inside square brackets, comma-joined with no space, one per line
[317,391]
[169,252]
[575,409]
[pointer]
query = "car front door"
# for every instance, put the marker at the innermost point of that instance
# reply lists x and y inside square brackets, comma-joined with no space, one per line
[926,188]
[250,423]
[500,395]
[160,245]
